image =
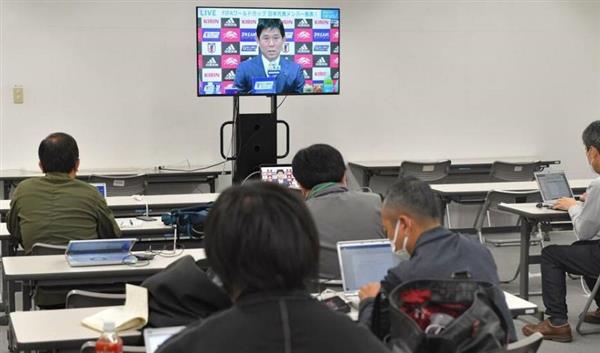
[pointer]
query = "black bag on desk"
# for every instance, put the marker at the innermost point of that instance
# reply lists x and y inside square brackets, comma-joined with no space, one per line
[181,294]
[474,324]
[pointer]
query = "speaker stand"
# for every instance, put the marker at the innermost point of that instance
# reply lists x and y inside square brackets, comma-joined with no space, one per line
[254,140]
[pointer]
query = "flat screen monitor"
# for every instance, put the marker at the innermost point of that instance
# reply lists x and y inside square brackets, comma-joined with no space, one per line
[267,51]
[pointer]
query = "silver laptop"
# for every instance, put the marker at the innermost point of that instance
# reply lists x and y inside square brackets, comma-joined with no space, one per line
[99,252]
[154,337]
[279,174]
[101,187]
[553,185]
[364,261]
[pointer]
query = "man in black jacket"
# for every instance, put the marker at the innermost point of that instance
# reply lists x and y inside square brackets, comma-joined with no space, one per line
[263,244]
[410,216]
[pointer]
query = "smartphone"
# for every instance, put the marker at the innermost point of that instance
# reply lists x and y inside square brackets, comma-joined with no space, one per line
[337,304]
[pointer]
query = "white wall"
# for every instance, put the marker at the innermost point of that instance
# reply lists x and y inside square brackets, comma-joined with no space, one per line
[420,79]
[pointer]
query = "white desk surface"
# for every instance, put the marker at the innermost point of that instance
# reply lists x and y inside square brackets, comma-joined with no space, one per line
[479,188]
[55,266]
[531,209]
[55,327]
[455,162]
[181,200]
[25,173]
[126,224]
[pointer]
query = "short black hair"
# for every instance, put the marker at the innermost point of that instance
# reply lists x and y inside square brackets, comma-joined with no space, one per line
[318,164]
[279,171]
[591,135]
[266,23]
[261,237]
[58,152]
[414,196]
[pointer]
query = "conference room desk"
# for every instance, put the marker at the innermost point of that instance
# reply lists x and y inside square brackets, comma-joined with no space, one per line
[53,270]
[136,205]
[44,329]
[56,329]
[155,175]
[530,216]
[476,168]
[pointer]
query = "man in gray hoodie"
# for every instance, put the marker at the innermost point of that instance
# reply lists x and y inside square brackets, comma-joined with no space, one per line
[339,213]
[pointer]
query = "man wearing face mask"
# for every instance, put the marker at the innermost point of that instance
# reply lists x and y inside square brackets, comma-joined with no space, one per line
[580,258]
[411,219]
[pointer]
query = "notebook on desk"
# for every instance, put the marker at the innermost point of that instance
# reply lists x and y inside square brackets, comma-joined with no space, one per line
[553,186]
[154,337]
[99,252]
[364,261]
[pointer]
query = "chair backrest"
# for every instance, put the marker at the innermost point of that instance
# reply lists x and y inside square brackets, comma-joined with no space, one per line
[527,345]
[494,197]
[47,249]
[425,171]
[505,171]
[90,347]
[122,185]
[85,299]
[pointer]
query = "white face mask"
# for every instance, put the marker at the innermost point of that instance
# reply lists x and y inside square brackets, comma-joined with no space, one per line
[402,253]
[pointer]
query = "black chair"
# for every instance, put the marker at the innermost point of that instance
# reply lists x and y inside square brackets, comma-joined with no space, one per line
[586,307]
[491,202]
[85,299]
[506,171]
[122,185]
[425,171]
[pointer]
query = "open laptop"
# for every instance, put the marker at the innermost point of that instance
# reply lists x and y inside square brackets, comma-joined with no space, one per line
[553,185]
[101,187]
[154,337]
[278,173]
[99,252]
[364,261]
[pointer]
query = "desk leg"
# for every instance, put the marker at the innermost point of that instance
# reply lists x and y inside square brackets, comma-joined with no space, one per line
[10,297]
[526,227]
[26,290]
[211,185]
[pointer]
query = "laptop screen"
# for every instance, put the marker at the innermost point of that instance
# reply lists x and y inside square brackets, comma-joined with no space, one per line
[104,246]
[154,337]
[280,174]
[363,262]
[101,187]
[553,185]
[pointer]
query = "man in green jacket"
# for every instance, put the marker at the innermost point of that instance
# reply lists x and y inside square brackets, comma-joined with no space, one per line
[56,208]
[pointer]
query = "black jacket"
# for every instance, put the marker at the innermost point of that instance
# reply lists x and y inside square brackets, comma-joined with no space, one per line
[277,323]
[438,254]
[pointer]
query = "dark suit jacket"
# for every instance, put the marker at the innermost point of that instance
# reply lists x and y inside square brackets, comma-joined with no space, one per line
[289,80]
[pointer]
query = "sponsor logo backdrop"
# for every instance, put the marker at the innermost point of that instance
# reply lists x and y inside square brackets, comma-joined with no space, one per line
[224,42]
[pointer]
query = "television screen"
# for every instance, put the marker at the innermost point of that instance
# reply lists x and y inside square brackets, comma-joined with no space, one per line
[267,51]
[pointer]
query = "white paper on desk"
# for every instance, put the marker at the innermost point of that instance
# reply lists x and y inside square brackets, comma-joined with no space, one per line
[131,316]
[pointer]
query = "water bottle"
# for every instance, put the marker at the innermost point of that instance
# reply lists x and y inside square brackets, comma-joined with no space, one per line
[109,341]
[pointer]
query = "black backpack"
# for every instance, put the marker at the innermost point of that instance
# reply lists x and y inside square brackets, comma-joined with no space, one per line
[475,323]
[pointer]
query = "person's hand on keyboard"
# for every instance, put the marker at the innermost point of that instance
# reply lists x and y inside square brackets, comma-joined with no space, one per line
[369,290]
[564,203]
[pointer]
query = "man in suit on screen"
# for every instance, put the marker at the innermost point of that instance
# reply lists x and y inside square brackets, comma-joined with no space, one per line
[268,72]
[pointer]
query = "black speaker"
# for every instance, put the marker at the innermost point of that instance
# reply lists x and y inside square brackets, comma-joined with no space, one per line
[255,143]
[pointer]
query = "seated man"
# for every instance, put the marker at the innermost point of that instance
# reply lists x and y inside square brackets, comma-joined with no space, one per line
[284,75]
[411,218]
[340,214]
[580,258]
[56,208]
[263,245]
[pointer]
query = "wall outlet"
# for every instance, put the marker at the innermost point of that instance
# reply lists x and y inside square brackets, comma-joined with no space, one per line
[18,95]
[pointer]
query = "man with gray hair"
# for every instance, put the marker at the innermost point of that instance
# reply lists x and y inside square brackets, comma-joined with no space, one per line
[411,219]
